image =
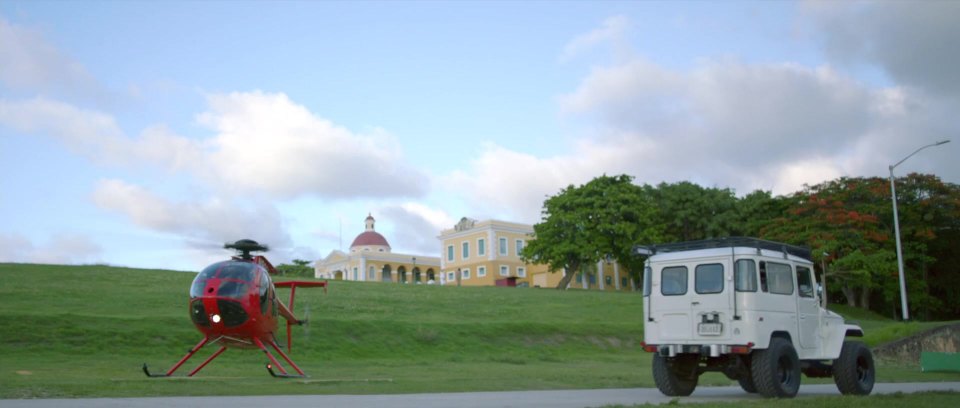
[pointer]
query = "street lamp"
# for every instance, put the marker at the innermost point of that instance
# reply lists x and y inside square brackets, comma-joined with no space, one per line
[896,230]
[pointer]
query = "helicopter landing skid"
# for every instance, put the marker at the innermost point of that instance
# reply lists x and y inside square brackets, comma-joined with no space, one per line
[282,373]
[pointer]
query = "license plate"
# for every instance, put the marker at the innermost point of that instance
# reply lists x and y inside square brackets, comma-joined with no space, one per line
[709,328]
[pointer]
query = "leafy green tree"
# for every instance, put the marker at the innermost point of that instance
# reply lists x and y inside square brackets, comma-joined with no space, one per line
[841,218]
[690,212]
[299,268]
[581,225]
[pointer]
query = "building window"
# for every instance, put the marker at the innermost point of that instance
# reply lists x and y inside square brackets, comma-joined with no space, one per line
[355,273]
[608,280]
[481,271]
[481,247]
[465,250]
[450,276]
[372,274]
[504,270]
[450,253]
[519,247]
[503,246]
[466,273]
[623,284]
[521,272]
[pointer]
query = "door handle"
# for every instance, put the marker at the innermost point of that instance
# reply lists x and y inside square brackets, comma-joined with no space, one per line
[694,303]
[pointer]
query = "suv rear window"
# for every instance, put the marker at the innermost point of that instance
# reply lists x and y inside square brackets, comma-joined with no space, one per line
[708,278]
[673,281]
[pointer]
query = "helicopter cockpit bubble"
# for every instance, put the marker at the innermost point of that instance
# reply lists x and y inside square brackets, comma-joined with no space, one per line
[235,278]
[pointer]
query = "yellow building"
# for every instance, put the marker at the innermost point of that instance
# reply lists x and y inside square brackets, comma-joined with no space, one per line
[481,253]
[607,276]
[370,259]
[487,253]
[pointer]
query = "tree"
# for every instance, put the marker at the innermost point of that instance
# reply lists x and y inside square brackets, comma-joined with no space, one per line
[581,225]
[689,212]
[299,268]
[843,218]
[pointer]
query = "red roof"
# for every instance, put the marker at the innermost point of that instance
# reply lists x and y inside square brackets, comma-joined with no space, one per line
[369,238]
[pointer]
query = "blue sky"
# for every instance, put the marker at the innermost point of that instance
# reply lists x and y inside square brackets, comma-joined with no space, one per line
[148,133]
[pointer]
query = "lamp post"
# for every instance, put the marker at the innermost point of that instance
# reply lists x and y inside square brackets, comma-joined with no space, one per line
[896,230]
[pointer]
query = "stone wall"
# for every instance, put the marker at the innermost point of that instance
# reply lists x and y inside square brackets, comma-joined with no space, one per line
[944,339]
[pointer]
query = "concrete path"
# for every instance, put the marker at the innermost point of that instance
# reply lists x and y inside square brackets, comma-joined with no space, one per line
[552,399]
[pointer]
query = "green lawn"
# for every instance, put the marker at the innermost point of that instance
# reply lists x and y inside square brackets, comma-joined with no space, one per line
[72,331]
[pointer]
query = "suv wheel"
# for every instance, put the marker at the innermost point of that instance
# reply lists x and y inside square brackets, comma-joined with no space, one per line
[677,376]
[746,382]
[776,370]
[854,371]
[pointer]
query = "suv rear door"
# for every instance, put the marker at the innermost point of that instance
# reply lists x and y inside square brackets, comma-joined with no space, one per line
[710,301]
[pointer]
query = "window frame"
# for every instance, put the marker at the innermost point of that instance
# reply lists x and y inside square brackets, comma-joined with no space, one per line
[809,276]
[686,280]
[753,275]
[789,274]
[696,278]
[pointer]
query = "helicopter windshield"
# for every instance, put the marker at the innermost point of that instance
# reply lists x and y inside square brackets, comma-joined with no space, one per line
[235,279]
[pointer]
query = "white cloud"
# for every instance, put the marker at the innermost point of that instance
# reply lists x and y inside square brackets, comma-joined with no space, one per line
[915,43]
[266,143]
[611,31]
[204,225]
[31,63]
[415,227]
[725,123]
[262,144]
[61,249]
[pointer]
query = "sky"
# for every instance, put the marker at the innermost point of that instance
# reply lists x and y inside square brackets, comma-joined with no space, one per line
[147,134]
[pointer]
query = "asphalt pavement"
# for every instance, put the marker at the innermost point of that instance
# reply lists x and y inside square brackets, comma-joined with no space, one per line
[552,399]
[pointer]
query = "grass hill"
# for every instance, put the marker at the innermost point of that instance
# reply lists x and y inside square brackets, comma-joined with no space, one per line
[69,331]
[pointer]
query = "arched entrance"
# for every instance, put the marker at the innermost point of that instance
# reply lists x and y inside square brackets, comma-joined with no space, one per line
[431,275]
[402,274]
[385,274]
[416,275]
[338,275]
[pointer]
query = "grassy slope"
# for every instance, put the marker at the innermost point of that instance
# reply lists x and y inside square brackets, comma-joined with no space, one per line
[85,330]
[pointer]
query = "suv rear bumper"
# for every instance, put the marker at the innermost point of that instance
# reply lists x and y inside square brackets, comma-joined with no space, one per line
[706,350]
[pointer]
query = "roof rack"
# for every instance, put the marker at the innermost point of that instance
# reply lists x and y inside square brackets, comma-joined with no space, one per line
[728,242]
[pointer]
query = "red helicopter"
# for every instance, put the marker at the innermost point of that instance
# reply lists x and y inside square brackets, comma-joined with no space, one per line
[234,303]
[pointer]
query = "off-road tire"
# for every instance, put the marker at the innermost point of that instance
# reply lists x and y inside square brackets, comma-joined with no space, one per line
[776,370]
[746,377]
[746,382]
[854,372]
[676,378]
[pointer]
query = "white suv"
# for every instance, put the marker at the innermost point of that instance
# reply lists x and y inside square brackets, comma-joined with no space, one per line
[750,309]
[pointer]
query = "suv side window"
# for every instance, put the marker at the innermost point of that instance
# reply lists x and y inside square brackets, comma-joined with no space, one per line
[647,275]
[745,275]
[673,281]
[779,277]
[708,278]
[804,282]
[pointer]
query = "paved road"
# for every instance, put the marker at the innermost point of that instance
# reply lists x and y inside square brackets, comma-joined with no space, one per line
[552,399]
